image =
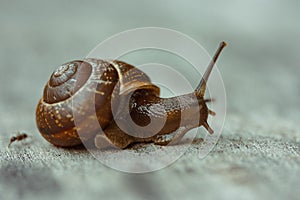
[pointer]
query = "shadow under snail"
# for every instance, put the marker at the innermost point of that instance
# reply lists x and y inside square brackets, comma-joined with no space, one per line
[91,89]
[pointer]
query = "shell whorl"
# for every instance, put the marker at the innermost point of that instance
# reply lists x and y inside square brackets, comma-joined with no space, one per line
[80,88]
[66,80]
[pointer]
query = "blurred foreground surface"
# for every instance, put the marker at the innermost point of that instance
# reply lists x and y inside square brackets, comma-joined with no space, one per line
[258,154]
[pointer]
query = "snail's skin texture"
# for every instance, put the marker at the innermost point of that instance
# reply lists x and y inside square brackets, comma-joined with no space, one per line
[117,92]
[174,128]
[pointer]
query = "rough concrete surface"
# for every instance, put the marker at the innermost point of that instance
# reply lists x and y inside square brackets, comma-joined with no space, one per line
[258,153]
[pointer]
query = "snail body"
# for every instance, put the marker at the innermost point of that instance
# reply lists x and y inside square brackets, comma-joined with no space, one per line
[123,102]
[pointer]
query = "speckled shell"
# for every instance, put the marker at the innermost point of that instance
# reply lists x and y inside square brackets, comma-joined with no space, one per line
[80,88]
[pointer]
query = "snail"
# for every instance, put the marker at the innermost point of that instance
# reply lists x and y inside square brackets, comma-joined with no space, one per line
[112,92]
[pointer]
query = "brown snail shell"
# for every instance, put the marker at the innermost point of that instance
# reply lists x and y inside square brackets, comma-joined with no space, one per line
[54,113]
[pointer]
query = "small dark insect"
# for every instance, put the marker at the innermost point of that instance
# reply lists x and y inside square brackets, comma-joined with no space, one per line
[19,137]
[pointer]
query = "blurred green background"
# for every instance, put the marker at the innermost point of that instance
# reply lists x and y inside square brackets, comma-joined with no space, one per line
[260,66]
[262,56]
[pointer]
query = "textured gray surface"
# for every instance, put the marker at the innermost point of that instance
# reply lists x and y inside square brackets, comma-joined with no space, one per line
[258,154]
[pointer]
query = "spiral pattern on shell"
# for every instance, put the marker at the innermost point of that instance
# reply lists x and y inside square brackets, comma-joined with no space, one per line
[94,82]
